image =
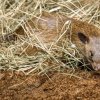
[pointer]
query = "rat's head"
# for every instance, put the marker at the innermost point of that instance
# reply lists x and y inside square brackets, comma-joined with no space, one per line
[92,48]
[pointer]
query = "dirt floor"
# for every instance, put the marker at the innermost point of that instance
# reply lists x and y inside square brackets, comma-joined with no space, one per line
[81,85]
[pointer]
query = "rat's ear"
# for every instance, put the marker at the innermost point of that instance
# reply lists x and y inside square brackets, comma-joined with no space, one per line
[84,39]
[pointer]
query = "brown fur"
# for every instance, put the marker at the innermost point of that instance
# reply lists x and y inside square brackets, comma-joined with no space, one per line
[48,28]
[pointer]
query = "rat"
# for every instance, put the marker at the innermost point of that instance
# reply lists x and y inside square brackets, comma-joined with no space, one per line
[48,27]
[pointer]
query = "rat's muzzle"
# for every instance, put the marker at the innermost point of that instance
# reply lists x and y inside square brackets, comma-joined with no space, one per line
[96,66]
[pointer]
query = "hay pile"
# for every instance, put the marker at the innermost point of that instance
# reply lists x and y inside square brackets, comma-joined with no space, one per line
[14,13]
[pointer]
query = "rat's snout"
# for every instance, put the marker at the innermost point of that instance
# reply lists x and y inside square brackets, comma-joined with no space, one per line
[96,66]
[95,60]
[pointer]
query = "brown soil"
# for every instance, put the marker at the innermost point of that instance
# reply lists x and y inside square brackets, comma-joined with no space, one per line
[81,85]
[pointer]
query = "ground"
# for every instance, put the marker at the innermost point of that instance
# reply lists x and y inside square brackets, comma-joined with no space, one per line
[81,85]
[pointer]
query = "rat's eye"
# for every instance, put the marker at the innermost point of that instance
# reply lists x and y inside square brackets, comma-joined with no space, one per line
[91,54]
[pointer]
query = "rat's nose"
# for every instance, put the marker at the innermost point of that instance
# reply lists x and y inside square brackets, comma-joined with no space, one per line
[96,66]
